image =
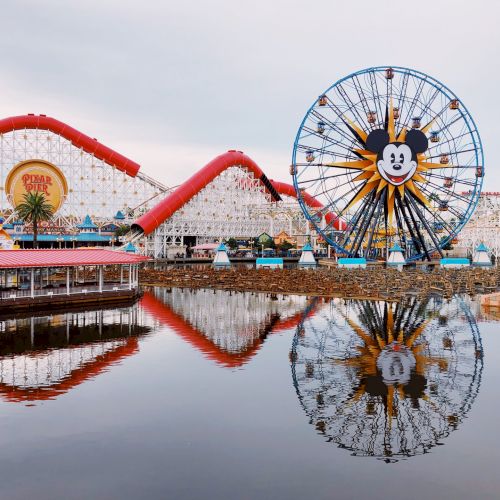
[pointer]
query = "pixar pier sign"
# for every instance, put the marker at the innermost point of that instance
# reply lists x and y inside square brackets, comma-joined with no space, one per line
[36,176]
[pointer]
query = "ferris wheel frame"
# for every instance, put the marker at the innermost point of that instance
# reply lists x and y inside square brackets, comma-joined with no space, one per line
[313,218]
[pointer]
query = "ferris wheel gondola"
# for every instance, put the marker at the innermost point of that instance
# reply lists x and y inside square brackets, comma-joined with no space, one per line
[390,152]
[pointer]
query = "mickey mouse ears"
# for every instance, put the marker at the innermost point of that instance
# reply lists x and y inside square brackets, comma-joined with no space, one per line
[378,139]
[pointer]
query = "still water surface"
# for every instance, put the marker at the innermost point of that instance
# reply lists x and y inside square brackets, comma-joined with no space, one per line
[208,394]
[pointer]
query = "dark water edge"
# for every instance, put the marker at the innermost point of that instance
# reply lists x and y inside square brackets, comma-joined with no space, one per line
[209,394]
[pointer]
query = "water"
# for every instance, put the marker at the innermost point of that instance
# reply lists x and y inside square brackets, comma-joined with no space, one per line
[208,394]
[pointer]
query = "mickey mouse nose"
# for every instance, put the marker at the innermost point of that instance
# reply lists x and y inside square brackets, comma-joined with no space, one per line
[396,166]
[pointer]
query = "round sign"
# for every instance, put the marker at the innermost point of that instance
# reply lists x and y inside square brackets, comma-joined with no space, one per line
[36,176]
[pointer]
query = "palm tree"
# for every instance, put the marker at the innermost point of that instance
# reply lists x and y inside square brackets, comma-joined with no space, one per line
[35,209]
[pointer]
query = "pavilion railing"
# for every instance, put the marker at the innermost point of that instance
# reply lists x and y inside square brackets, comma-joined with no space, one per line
[15,293]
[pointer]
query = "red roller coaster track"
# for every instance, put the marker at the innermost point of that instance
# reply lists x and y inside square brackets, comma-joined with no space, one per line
[148,222]
[88,144]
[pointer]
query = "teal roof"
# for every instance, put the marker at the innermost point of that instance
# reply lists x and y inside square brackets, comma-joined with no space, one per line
[8,226]
[395,248]
[481,248]
[352,260]
[129,248]
[82,237]
[307,247]
[269,260]
[454,261]
[119,215]
[87,223]
[222,248]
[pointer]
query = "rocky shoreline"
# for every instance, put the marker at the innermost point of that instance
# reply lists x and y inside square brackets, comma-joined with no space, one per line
[371,283]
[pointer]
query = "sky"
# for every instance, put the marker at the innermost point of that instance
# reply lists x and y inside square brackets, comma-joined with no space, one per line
[171,84]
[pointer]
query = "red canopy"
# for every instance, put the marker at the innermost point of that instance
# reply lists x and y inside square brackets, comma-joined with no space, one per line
[11,259]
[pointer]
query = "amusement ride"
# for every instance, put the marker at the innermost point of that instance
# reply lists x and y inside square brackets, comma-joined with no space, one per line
[395,156]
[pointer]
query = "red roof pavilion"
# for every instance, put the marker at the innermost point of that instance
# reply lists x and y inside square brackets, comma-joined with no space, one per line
[12,259]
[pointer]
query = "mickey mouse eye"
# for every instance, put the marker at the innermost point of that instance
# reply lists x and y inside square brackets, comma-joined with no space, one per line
[401,158]
[393,158]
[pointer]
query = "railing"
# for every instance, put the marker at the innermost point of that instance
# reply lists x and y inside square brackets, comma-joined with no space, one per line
[16,293]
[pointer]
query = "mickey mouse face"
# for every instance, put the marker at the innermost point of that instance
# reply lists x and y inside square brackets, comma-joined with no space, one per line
[397,161]
[396,165]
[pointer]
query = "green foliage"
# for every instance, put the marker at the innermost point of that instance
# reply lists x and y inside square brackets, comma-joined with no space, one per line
[232,243]
[448,245]
[285,246]
[122,230]
[34,209]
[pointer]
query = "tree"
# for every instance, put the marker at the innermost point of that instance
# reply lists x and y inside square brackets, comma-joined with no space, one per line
[285,246]
[232,243]
[34,208]
[122,230]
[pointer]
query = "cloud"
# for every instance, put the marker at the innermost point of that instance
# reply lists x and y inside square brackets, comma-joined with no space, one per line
[170,82]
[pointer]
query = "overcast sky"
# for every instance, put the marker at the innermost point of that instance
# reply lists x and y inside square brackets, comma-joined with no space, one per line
[173,84]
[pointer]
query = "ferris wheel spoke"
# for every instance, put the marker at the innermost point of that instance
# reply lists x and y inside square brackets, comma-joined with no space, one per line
[350,105]
[417,228]
[358,240]
[409,112]
[355,220]
[326,177]
[448,141]
[447,191]
[415,239]
[374,226]
[341,116]
[332,125]
[456,181]
[361,94]
[422,218]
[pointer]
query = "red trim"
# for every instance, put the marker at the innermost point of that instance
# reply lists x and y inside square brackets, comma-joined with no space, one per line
[88,144]
[13,259]
[175,200]
[90,370]
[165,315]
[311,201]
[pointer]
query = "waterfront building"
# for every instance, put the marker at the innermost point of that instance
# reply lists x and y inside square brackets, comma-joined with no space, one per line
[33,279]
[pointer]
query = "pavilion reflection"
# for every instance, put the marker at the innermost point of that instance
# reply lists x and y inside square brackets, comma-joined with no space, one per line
[387,380]
[227,327]
[42,357]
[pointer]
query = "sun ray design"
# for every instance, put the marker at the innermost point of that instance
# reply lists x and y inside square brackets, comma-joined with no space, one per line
[366,163]
[385,338]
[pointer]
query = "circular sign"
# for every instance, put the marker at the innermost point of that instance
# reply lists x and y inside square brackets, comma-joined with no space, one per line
[36,176]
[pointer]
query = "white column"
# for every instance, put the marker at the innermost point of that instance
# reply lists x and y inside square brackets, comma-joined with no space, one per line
[32,283]
[130,276]
[100,278]
[121,274]
[67,281]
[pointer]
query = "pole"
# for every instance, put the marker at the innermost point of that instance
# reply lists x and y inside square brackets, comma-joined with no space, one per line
[32,283]
[67,281]
[100,279]
[130,276]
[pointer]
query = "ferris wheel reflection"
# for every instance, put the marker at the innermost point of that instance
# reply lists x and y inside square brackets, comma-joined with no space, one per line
[387,380]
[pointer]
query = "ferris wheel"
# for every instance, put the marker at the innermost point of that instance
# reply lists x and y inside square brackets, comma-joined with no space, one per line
[387,380]
[395,157]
